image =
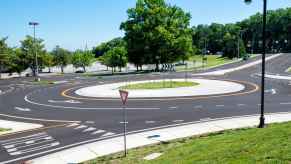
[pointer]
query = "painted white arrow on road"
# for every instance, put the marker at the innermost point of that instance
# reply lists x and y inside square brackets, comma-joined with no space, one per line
[23,109]
[272,91]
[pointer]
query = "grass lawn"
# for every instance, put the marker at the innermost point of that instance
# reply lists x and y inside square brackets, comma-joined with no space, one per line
[159,85]
[4,130]
[269,145]
[212,60]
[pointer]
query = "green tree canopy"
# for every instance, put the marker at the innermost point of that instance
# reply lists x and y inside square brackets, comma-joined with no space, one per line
[29,48]
[62,57]
[82,59]
[157,32]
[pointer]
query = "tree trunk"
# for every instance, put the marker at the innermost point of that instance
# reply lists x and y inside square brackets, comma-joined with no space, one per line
[141,67]
[49,69]
[112,70]
[84,68]
[119,69]
[62,69]
[157,67]
[136,68]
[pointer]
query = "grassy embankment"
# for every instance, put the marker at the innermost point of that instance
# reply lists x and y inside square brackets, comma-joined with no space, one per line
[268,145]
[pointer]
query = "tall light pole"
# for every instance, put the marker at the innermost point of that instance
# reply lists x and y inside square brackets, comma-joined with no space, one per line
[240,35]
[34,24]
[262,117]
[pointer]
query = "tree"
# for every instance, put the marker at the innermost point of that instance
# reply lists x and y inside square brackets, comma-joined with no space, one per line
[17,61]
[157,32]
[115,57]
[29,49]
[4,54]
[82,59]
[48,61]
[61,57]
[106,46]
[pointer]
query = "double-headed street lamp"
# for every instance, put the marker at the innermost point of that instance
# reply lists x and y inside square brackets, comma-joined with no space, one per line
[262,117]
[34,24]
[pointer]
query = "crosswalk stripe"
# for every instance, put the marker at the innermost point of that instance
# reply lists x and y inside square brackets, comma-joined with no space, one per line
[89,129]
[107,134]
[81,127]
[98,132]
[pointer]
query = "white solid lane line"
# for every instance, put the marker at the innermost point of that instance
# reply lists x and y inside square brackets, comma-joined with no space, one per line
[219,105]
[70,107]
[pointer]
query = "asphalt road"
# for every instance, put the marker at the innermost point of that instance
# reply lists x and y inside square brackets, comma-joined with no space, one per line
[75,120]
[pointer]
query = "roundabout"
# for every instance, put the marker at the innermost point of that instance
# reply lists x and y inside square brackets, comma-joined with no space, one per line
[90,109]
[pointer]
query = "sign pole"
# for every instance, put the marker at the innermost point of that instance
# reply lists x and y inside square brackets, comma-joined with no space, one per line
[124,129]
[124,96]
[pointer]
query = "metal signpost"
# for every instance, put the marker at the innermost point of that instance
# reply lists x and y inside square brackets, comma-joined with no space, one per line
[124,96]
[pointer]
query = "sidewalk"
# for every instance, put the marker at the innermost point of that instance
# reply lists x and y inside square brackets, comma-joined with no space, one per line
[153,136]
[17,126]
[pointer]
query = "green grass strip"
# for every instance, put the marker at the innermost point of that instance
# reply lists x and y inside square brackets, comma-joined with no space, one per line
[159,85]
[268,145]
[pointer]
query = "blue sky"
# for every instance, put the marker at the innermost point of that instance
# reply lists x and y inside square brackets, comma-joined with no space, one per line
[74,23]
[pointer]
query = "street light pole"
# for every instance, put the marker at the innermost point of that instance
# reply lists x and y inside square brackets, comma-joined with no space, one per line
[262,117]
[34,24]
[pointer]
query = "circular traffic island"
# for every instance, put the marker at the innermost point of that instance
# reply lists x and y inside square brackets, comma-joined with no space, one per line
[166,88]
